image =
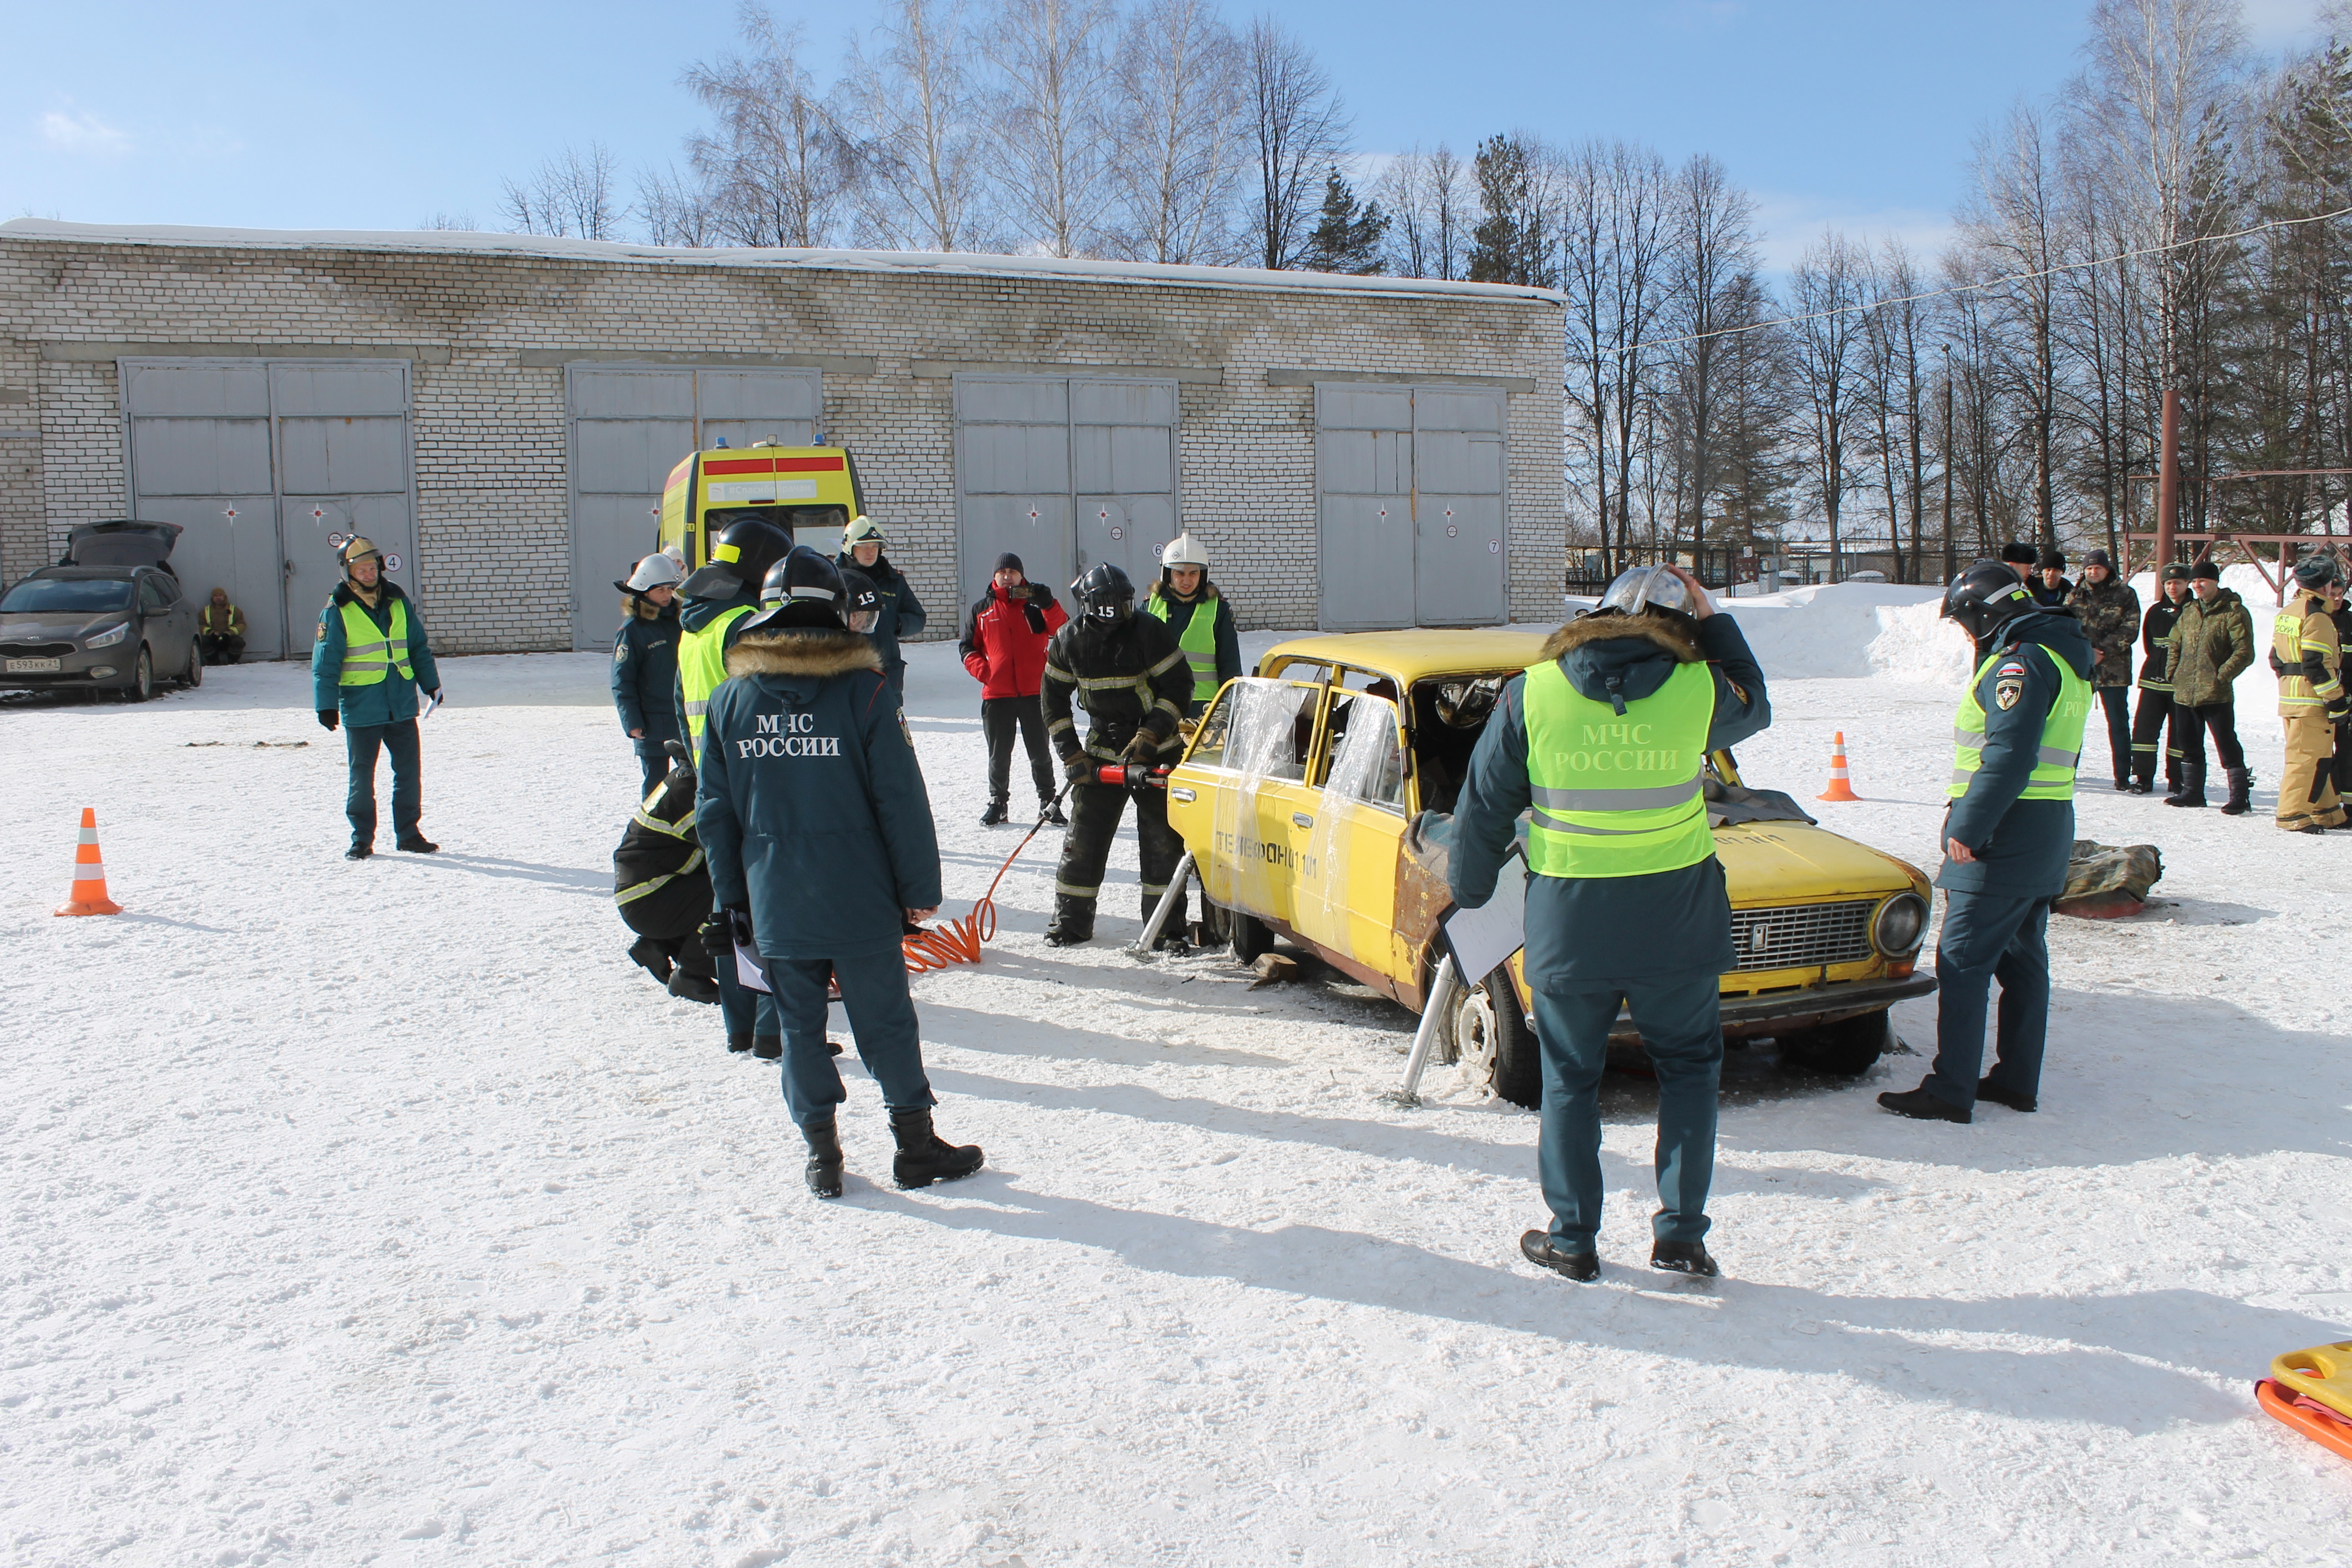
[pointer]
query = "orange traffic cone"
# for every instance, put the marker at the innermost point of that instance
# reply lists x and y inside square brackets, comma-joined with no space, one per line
[88,896]
[1840,789]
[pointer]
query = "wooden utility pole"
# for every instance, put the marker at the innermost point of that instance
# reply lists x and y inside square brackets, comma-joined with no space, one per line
[2167,482]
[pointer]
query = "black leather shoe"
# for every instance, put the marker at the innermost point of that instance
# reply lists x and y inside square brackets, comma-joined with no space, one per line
[1684,1257]
[767,1047]
[1988,1089]
[738,1043]
[2139,786]
[1581,1267]
[1921,1106]
[359,851]
[417,844]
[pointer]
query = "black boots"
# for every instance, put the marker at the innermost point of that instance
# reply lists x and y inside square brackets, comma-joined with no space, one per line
[2193,786]
[738,1043]
[358,850]
[822,1171]
[1921,1106]
[1053,810]
[923,1156]
[1682,1258]
[1073,922]
[993,815]
[2242,781]
[417,844]
[768,1048]
[1537,1248]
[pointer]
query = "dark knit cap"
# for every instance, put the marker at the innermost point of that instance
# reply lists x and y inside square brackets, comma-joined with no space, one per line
[2098,558]
[2051,556]
[2017,553]
[1011,559]
[2207,567]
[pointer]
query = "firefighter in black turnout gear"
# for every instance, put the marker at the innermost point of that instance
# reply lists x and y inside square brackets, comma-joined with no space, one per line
[1128,672]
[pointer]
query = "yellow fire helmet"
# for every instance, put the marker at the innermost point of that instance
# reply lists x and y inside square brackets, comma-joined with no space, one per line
[861,531]
[358,548]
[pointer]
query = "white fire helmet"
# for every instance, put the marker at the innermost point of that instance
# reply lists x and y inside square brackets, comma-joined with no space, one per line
[655,571]
[1184,551]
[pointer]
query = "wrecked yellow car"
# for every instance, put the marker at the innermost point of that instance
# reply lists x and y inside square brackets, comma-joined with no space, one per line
[1315,799]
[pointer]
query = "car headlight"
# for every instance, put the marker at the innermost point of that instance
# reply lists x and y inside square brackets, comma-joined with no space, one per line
[1898,927]
[107,638]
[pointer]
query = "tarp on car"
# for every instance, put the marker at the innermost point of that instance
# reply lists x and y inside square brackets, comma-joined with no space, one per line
[121,542]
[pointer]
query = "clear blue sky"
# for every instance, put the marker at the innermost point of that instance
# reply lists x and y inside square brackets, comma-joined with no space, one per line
[265,113]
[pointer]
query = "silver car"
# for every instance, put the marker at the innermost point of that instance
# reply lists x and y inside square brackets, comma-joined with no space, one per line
[113,617]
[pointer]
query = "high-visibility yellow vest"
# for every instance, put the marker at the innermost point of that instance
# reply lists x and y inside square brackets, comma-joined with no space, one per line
[1618,794]
[2062,733]
[370,651]
[2303,627]
[701,665]
[1198,639]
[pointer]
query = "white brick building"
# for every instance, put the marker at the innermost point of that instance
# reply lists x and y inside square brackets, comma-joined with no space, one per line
[1355,451]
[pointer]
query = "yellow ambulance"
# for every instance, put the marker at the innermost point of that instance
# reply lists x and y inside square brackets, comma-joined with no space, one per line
[810,492]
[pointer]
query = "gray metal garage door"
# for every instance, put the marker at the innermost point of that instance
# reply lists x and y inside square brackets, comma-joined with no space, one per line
[1411,484]
[264,462]
[629,428]
[1064,471]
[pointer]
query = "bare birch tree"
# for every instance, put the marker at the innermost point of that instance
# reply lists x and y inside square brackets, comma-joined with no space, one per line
[1179,134]
[1615,225]
[1049,130]
[922,184]
[1430,202]
[1828,292]
[569,195]
[1299,133]
[778,165]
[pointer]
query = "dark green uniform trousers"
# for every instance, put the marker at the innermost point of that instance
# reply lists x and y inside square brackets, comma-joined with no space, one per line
[881,1018]
[1682,1029]
[1988,936]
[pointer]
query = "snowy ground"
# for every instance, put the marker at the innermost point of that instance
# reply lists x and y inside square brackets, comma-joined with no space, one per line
[384,1213]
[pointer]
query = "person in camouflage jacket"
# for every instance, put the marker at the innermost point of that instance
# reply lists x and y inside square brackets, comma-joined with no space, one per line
[2109,611]
[2211,643]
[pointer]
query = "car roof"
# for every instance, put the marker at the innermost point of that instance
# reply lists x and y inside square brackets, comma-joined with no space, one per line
[1419,653]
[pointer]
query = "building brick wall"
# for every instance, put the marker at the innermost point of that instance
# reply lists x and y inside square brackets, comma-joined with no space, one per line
[489,433]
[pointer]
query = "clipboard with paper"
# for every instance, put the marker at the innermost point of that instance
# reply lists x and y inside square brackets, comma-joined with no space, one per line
[1483,940]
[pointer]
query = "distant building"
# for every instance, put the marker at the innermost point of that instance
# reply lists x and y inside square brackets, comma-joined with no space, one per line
[499,411]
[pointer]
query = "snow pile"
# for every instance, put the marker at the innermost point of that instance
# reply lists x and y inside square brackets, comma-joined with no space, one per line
[1916,643]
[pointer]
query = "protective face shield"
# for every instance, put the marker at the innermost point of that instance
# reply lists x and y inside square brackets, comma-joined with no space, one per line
[1106,598]
[864,601]
[1464,704]
[1639,587]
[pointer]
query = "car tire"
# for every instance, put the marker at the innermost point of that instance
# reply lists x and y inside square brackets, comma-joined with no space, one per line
[195,675]
[142,677]
[1252,938]
[1849,1047]
[1492,1039]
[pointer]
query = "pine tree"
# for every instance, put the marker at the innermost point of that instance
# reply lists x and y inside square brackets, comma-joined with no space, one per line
[1508,245]
[1347,239]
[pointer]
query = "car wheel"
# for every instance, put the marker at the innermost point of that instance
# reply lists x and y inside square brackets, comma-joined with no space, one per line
[1847,1047]
[142,677]
[1252,939]
[1493,1042]
[194,677]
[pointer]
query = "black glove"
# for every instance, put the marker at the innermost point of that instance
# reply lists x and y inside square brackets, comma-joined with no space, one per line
[1036,617]
[1079,768]
[2339,710]
[327,718]
[717,933]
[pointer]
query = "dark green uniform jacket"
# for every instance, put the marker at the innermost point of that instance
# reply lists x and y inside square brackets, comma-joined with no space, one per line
[1133,676]
[389,700]
[2020,846]
[901,614]
[1665,928]
[812,808]
[2155,626]
[2212,643]
[644,669]
[2109,611]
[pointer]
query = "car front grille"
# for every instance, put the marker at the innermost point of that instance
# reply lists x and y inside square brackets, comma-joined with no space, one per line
[34,649]
[1801,936]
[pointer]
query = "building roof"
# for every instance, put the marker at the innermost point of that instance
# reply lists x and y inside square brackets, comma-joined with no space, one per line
[903,262]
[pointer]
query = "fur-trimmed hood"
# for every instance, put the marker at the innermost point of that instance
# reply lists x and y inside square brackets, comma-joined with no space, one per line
[815,653]
[646,609]
[1668,635]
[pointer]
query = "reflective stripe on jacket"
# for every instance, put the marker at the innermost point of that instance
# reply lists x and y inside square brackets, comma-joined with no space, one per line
[370,651]
[701,665]
[2062,732]
[1198,639]
[1618,796]
[2302,629]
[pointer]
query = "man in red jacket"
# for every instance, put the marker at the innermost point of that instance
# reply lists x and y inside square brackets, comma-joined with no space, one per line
[1005,648]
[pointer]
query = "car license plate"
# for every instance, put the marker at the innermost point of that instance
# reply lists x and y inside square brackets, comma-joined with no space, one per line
[33,667]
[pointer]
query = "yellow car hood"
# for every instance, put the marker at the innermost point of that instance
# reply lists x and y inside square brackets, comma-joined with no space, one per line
[1771,863]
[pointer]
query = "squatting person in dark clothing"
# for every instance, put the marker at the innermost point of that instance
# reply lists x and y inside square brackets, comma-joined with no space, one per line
[901,614]
[2109,611]
[645,665]
[1127,673]
[1606,738]
[220,629]
[1004,647]
[2154,719]
[1200,617]
[813,811]
[370,661]
[2007,835]
[2211,645]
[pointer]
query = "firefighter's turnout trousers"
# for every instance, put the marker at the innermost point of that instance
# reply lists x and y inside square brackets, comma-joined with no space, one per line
[2307,787]
[1095,813]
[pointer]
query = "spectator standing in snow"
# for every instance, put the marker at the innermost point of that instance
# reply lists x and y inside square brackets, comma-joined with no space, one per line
[2109,611]
[814,814]
[2156,716]
[1200,617]
[368,663]
[645,665]
[2211,643]
[2007,835]
[2308,661]
[901,614]
[1626,903]
[1004,647]
[220,629]
[2020,557]
[2049,581]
